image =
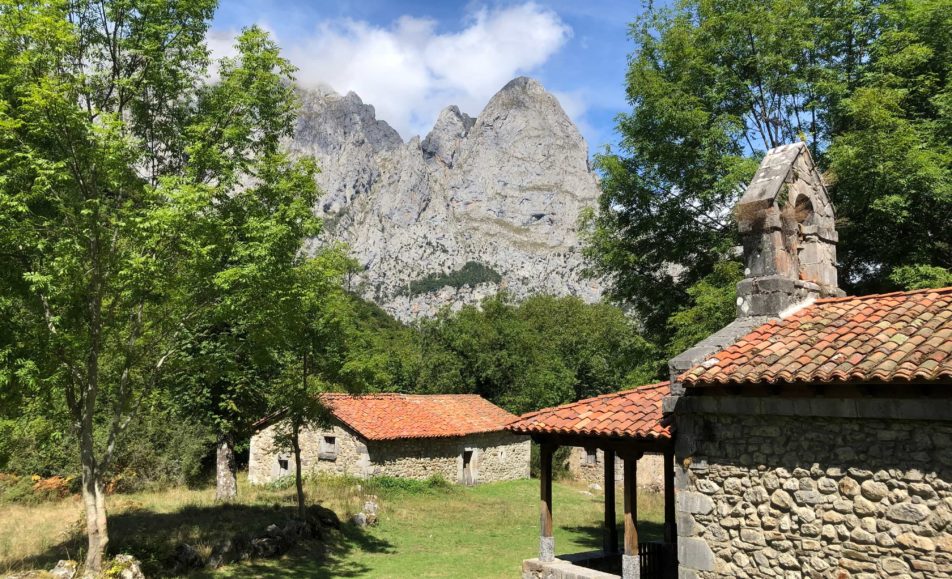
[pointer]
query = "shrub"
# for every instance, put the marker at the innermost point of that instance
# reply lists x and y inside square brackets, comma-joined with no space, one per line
[158,450]
[35,489]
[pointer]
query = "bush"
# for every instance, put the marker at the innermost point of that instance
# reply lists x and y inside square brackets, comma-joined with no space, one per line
[281,484]
[35,489]
[158,450]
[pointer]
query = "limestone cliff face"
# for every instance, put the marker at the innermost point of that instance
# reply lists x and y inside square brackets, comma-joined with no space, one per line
[503,190]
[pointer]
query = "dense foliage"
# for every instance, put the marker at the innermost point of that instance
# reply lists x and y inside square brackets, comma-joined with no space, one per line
[471,274]
[152,228]
[713,84]
[522,356]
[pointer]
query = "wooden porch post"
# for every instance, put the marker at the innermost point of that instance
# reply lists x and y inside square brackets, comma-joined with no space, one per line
[546,540]
[631,564]
[610,538]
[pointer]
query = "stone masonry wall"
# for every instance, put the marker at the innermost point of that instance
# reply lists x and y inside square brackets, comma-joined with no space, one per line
[650,469]
[496,456]
[352,457]
[770,496]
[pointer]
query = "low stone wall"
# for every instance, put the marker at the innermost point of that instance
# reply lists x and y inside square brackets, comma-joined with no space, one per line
[496,456]
[560,569]
[774,496]
[650,469]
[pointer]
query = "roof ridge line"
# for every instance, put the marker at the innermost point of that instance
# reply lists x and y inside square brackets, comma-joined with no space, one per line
[942,290]
[599,397]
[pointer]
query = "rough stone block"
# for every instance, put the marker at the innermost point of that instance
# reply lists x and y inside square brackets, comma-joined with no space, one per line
[695,554]
[695,503]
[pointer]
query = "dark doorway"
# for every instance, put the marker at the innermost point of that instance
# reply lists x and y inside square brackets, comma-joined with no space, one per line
[469,477]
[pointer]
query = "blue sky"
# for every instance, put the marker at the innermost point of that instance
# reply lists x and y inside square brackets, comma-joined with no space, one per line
[411,59]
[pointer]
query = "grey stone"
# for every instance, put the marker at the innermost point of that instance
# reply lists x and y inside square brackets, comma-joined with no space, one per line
[631,567]
[907,513]
[126,567]
[781,499]
[546,549]
[752,536]
[894,565]
[808,497]
[695,503]
[874,491]
[695,554]
[64,569]
[707,487]
[757,495]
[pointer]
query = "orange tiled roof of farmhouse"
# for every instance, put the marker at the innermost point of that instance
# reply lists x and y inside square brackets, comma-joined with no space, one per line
[902,336]
[628,414]
[394,416]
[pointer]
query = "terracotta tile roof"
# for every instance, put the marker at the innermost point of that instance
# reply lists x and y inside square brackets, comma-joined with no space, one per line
[393,416]
[893,337]
[629,414]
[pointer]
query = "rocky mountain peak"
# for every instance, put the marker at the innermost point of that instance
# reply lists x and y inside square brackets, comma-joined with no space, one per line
[443,141]
[477,206]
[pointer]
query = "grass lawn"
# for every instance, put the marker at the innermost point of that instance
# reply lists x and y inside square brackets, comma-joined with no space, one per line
[484,531]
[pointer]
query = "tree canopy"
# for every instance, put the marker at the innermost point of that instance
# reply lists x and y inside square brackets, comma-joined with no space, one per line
[149,217]
[543,351]
[713,84]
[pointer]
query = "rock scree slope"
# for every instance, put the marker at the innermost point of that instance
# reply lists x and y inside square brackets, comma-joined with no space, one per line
[477,206]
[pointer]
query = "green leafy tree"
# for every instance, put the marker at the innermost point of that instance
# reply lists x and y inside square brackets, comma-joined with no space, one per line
[541,352]
[91,109]
[122,175]
[713,84]
[316,339]
[257,213]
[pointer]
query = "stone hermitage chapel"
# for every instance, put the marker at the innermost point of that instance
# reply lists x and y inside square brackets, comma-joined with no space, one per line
[460,437]
[811,437]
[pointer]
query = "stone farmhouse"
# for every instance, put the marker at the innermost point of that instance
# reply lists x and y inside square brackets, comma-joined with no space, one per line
[459,437]
[811,437]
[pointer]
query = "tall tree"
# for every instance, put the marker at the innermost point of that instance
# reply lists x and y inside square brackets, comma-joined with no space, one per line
[117,159]
[315,339]
[713,84]
[257,216]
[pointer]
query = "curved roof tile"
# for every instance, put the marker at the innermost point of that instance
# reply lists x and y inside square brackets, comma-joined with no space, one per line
[901,336]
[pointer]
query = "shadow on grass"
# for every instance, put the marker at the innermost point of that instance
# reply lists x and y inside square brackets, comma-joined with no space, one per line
[152,537]
[590,536]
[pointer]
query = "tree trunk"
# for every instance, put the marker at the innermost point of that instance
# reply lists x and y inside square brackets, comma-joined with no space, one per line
[94,501]
[298,482]
[226,481]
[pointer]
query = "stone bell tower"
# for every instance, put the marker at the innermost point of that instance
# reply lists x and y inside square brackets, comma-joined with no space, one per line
[787,225]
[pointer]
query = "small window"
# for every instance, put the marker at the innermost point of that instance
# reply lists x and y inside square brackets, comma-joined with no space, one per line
[283,465]
[591,457]
[328,448]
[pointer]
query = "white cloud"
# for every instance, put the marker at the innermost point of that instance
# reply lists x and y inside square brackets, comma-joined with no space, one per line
[410,70]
